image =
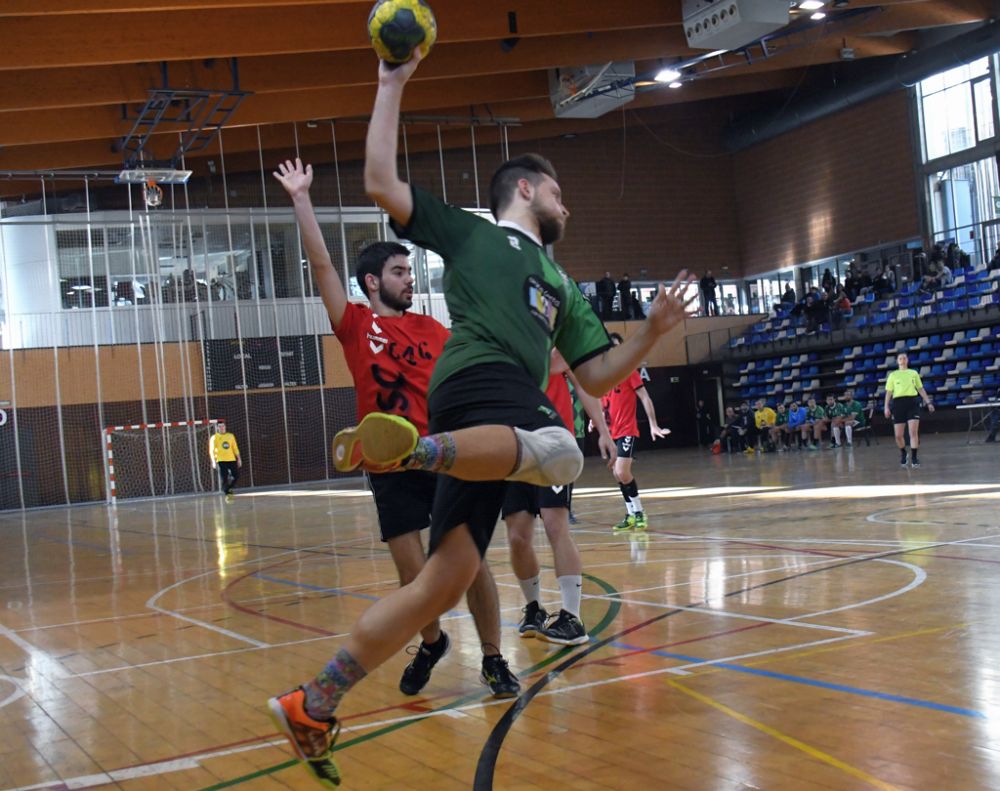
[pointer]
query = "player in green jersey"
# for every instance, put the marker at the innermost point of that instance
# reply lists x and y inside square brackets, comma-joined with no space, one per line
[489,419]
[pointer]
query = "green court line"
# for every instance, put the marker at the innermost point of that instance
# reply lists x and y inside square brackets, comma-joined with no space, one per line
[614,607]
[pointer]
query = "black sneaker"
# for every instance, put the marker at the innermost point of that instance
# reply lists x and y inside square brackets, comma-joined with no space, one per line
[914,462]
[418,672]
[566,629]
[533,621]
[902,460]
[497,676]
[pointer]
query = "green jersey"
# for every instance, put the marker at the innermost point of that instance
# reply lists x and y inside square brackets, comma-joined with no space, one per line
[815,413]
[780,417]
[839,409]
[508,301]
[857,410]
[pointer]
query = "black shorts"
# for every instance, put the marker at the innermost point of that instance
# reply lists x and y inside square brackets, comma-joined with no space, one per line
[528,497]
[404,501]
[626,447]
[486,394]
[905,408]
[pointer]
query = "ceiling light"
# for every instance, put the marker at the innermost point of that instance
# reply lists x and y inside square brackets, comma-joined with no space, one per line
[674,84]
[811,5]
[818,15]
[667,75]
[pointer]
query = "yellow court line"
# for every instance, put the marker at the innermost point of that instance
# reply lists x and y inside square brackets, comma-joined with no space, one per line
[859,643]
[789,740]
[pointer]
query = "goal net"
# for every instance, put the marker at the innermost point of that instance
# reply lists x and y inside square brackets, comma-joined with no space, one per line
[157,459]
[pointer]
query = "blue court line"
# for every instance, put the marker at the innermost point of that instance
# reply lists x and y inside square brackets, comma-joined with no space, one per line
[811,682]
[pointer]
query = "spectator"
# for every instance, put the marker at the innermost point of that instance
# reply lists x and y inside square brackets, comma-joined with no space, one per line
[816,313]
[841,309]
[729,433]
[730,301]
[764,419]
[778,429]
[816,423]
[747,427]
[995,260]
[796,426]
[605,288]
[835,415]
[881,285]
[708,294]
[625,296]
[827,281]
[789,296]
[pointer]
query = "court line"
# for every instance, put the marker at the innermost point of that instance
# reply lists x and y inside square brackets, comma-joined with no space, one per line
[791,741]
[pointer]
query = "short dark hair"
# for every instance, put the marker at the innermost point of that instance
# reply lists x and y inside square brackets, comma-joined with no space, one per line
[504,182]
[371,260]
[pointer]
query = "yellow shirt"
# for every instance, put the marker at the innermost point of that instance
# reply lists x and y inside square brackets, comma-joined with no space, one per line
[223,447]
[903,383]
[764,417]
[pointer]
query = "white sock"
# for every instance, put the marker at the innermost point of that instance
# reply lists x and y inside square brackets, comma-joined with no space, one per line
[836,435]
[629,507]
[571,587]
[636,504]
[849,430]
[530,588]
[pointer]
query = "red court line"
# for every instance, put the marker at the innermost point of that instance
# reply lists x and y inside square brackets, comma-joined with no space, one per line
[277,618]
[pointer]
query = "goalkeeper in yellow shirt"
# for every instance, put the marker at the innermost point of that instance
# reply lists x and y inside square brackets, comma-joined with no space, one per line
[225,456]
[764,418]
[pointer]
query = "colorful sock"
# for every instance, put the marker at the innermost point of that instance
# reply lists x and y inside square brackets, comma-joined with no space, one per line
[571,588]
[530,588]
[324,692]
[435,453]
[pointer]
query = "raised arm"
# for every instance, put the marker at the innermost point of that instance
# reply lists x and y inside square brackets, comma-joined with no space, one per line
[599,374]
[655,432]
[382,182]
[296,180]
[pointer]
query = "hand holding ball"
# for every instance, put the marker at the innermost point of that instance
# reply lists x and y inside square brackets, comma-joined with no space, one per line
[398,27]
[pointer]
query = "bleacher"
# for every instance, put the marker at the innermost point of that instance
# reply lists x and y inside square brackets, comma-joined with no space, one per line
[953,365]
[971,291]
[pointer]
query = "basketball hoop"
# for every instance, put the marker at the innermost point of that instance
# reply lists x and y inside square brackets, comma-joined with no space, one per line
[152,193]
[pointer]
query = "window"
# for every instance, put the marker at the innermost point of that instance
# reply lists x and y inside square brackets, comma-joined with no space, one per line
[956,108]
[963,201]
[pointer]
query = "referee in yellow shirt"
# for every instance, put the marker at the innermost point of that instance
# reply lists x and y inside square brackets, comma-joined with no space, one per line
[225,456]
[901,389]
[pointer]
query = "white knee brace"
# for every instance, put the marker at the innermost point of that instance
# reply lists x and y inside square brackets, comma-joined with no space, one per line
[548,457]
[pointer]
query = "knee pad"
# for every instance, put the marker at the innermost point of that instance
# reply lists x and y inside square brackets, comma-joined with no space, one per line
[547,457]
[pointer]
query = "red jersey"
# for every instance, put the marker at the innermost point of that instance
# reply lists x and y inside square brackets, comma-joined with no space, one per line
[620,403]
[558,393]
[391,359]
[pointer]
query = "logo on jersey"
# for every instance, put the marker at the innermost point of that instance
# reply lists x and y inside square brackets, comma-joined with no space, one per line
[375,340]
[550,413]
[514,242]
[225,445]
[543,302]
[557,489]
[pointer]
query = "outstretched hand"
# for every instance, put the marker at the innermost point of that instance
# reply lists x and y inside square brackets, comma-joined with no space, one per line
[295,178]
[398,74]
[669,307]
[658,433]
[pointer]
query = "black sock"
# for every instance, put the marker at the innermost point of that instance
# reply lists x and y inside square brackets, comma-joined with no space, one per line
[913,454]
[902,453]
[625,492]
[631,489]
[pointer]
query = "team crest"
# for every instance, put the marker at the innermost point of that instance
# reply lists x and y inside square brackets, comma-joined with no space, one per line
[543,302]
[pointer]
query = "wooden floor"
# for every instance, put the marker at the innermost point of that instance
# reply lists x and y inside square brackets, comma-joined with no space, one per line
[804,620]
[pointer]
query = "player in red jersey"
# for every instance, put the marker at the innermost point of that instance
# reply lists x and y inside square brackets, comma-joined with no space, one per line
[524,501]
[620,404]
[391,353]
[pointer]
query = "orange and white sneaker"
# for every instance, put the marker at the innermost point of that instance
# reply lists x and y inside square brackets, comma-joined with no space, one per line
[311,739]
[378,443]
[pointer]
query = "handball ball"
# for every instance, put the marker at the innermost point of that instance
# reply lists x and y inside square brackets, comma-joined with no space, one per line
[397,27]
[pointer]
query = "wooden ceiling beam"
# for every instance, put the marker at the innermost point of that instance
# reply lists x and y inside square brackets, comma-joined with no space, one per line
[55,7]
[37,89]
[104,38]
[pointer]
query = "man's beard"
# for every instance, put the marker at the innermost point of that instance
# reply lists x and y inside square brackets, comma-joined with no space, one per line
[392,301]
[550,227]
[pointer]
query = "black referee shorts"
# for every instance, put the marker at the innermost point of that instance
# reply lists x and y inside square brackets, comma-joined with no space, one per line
[522,496]
[481,395]
[905,408]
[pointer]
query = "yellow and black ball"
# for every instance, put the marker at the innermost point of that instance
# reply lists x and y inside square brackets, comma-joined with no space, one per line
[398,27]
